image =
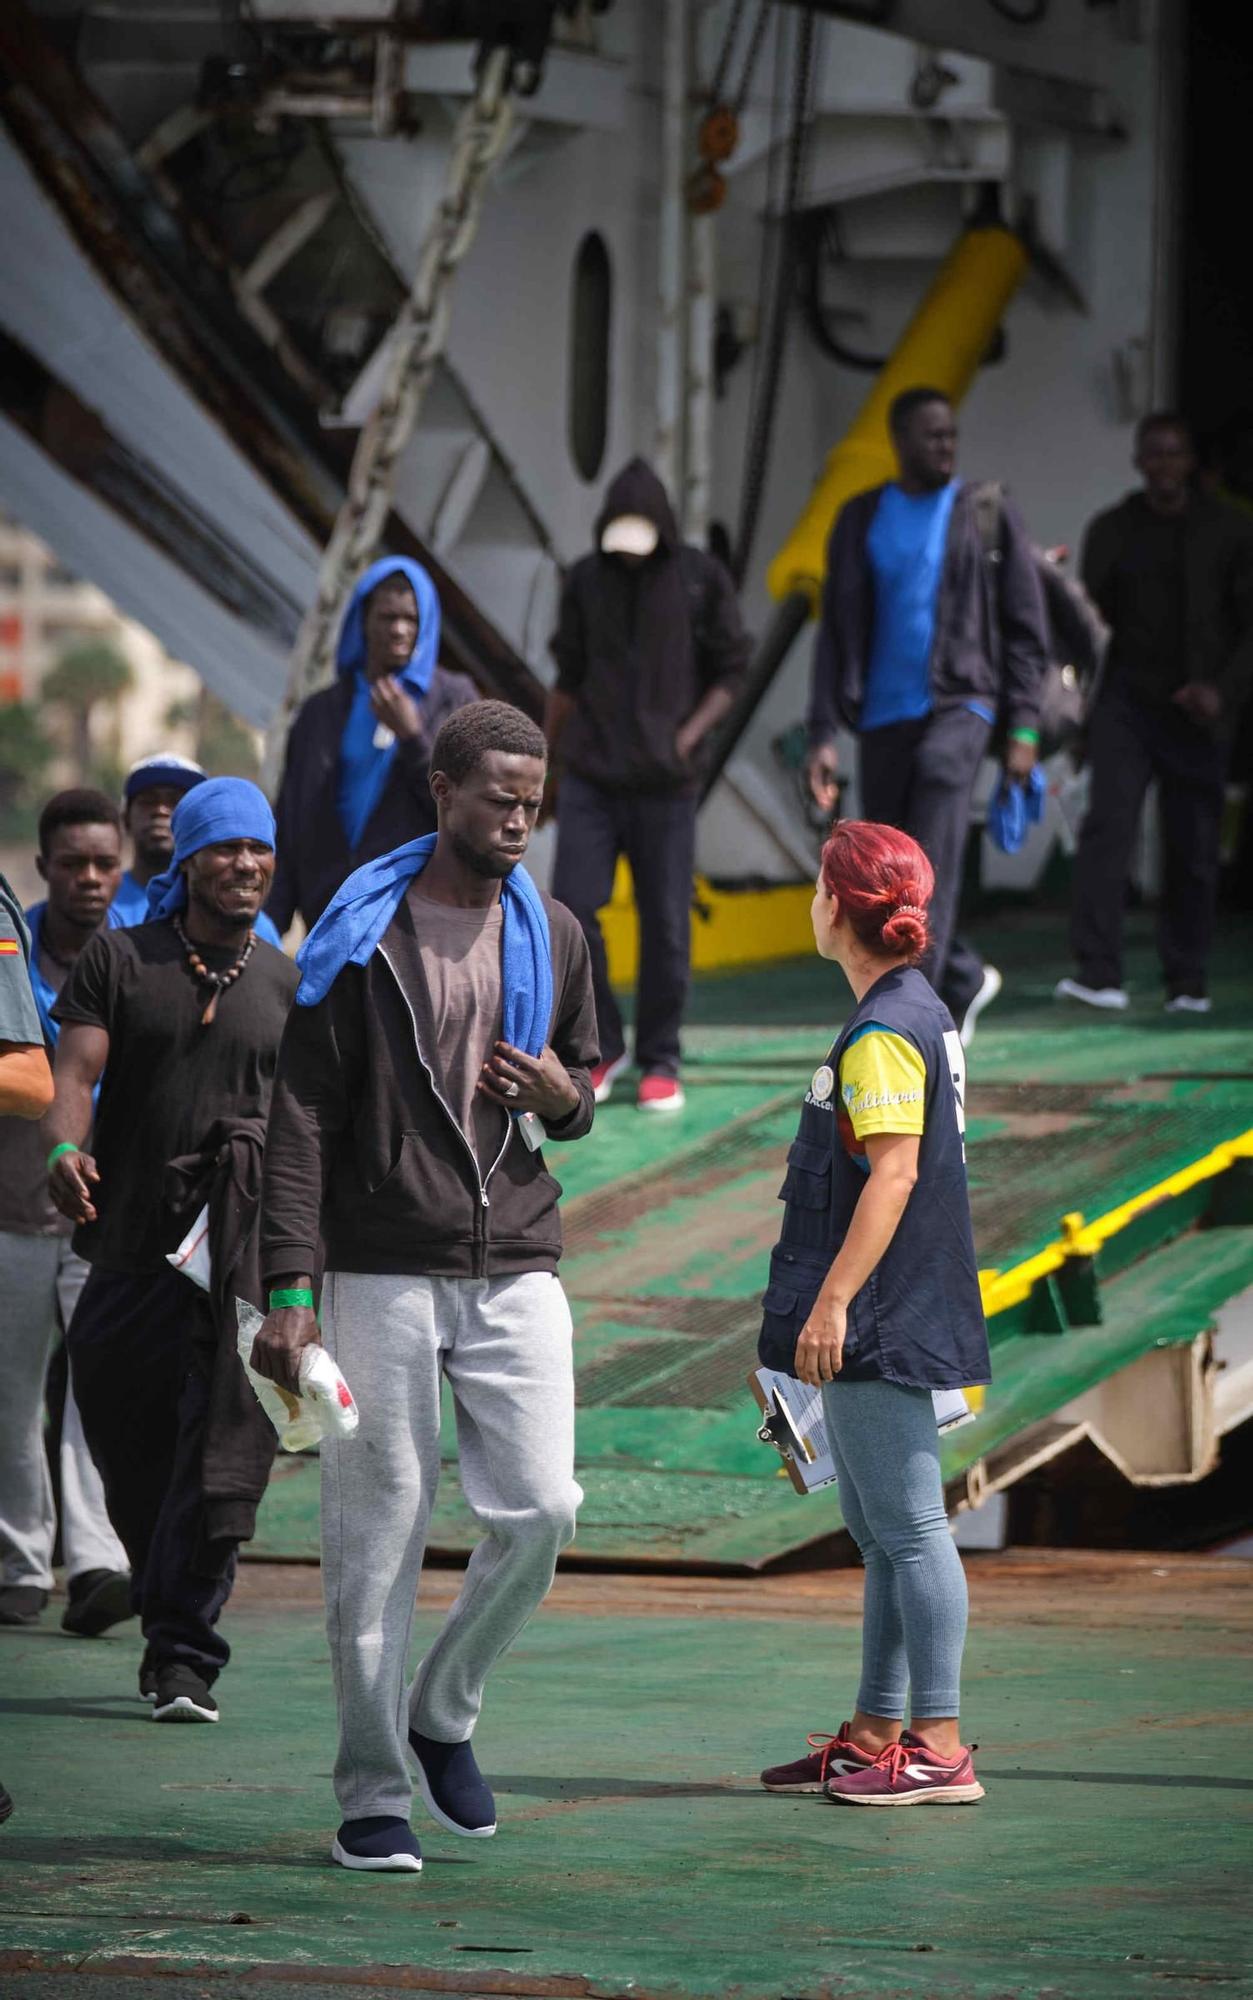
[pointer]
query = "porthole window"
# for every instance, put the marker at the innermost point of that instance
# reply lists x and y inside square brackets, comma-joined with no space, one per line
[591,305]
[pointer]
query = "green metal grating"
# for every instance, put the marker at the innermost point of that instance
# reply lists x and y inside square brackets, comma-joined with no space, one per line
[666,1258]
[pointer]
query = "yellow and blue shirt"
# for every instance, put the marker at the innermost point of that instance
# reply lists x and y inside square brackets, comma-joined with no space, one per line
[897,1067]
[882,1089]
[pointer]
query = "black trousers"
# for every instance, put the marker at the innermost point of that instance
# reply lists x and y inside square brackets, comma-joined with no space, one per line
[141,1354]
[657,833]
[1128,746]
[920,776]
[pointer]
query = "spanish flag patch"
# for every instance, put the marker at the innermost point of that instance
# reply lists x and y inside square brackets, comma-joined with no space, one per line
[9,948]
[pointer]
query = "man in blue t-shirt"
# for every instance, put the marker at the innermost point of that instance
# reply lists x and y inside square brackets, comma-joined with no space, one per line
[152,789]
[927,642]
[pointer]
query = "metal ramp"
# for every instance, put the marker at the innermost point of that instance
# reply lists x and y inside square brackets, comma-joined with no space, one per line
[1113,1203]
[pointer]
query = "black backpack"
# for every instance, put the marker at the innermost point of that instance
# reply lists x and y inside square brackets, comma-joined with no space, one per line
[1076,631]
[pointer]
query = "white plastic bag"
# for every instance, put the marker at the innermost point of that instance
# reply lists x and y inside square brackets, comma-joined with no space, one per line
[324,1407]
[192,1255]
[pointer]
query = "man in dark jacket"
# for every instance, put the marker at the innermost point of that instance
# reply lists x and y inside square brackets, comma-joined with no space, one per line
[444,1027]
[927,643]
[1171,571]
[650,650]
[355,782]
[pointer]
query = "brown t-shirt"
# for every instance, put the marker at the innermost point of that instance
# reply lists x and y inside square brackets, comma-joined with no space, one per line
[460,953]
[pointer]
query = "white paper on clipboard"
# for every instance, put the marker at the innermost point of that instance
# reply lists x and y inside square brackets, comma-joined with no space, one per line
[794,1423]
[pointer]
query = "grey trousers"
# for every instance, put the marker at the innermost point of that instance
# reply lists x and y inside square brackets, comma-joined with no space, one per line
[920,776]
[504,1347]
[40,1280]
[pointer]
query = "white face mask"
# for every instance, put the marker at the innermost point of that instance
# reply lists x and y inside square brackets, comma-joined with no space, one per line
[630,535]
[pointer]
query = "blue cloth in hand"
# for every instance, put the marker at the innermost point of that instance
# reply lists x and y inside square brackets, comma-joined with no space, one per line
[219,809]
[355,919]
[1014,807]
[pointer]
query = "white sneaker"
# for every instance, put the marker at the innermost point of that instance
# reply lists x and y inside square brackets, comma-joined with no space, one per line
[1190,1003]
[1114,999]
[992,984]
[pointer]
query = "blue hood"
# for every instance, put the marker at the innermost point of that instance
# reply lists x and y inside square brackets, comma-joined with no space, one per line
[350,652]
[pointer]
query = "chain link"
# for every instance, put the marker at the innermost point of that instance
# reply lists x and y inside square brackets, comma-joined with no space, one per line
[418,339]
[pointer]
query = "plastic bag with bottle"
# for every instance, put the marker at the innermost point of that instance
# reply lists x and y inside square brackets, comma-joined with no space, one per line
[324,1408]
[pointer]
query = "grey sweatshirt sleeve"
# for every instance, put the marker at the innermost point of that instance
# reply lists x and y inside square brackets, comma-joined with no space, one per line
[574,1036]
[312,1105]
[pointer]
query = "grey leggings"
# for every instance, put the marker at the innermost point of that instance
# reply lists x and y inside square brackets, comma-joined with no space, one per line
[887,1456]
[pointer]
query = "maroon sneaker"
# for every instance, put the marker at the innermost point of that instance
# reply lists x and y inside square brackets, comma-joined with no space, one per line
[832,1757]
[908,1773]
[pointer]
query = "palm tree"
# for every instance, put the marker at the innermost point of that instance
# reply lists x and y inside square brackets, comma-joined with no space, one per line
[84,676]
[25,754]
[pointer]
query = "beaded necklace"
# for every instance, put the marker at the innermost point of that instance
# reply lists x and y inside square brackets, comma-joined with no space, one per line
[219,981]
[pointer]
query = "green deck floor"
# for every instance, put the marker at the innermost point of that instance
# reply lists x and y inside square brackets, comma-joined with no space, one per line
[636,1855]
[669,1223]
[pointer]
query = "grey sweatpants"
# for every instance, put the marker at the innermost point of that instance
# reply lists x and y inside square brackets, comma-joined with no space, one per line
[504,1345]
[40,1280]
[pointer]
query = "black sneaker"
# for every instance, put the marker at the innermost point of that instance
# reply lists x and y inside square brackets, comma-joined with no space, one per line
[6,1805]
[453,1789]
[183,1697]
[98,1599]
[378,1845]
[149,1675]
[21,1603]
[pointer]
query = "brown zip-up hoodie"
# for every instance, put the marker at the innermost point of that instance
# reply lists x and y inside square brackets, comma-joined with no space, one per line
[363,1152]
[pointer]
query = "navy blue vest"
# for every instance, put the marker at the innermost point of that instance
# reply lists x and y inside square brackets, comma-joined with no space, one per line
[918,1318]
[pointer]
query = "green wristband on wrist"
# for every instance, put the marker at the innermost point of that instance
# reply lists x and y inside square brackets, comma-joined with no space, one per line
[294,1295]
[66,1146]
[1031,736]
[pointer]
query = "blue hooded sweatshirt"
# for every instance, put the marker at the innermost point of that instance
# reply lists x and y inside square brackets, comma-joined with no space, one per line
[366,747]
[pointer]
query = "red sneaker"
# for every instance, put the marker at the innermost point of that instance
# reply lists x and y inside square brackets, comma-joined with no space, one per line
[604,1076]
[660,1093]
[908,1773]
[830,1757]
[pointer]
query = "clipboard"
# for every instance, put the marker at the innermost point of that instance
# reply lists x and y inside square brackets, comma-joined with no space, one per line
[793,1422]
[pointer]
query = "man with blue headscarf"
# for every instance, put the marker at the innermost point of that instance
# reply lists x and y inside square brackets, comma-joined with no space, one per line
[150,796]
[179,1021]
[356,778]
[445,1027]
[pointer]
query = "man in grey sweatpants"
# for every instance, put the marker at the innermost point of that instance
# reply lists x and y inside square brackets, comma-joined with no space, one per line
[444,1028]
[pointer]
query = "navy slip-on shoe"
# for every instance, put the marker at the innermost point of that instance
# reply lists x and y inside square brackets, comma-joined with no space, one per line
[377,1845]
[97,1601]
[453,1788]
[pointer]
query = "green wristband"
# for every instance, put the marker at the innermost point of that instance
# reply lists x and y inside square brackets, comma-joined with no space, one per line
[295,1295]
[1031,736]
[66,1146]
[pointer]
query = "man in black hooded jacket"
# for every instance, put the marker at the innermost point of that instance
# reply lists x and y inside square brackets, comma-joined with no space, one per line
[650,650]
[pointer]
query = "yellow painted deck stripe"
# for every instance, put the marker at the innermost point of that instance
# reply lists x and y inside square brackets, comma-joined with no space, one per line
[1003,1289]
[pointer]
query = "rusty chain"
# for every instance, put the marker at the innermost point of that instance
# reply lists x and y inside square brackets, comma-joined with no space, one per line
[417,341]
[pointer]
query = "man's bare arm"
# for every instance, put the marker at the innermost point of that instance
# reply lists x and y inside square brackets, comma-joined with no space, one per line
[25,1080]
[82,1053]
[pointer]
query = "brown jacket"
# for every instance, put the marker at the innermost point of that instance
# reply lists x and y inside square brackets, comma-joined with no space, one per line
[362,1147]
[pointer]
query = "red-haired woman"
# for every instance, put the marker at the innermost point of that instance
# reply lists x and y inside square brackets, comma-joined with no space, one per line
[874,1295]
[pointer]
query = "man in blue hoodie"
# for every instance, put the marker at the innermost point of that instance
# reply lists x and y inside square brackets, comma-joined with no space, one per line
[355,784]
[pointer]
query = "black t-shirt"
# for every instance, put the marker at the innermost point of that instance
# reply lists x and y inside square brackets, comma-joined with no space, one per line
[168,1078]
[1148,637]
